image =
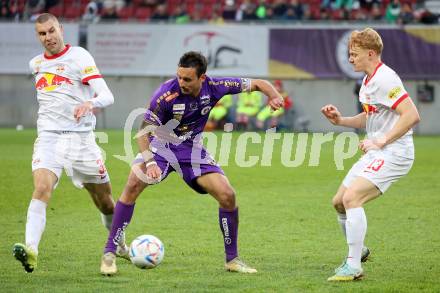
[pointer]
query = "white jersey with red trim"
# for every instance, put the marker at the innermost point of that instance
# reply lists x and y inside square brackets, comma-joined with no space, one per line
[380,95]
[61,82]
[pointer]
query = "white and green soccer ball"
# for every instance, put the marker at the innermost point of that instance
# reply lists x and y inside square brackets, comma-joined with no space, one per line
[146,251]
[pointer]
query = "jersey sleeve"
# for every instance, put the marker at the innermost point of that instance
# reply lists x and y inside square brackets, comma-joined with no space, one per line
[156,113]
[229,86]
[33,64]
[391,91]
[87,66]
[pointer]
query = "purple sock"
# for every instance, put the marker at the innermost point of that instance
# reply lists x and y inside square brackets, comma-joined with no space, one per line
[229,225]
[121,218]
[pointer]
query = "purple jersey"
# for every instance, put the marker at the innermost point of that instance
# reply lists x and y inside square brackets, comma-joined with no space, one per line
[180,119]
[168,102]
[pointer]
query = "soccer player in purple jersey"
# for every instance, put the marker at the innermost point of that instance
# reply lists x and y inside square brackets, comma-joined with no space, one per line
[170,140]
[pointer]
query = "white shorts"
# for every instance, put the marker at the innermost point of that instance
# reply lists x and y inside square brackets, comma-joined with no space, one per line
[382,168]
[75,152]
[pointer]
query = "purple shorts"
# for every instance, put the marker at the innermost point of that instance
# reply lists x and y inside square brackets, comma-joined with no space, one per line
[187,170]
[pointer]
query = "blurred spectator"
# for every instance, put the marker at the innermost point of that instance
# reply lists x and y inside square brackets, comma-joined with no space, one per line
[343,4]
[426,17]
[393,11]
[406,15]
[248,105]
[196,16]
[246,11]
[118,4]
[180,15]
[324,14]
[160,14]
[33,8]
[109,11]
[260,12]
[295,10]
[375,13]
[216,17]
[269,13]
[5,11]
[327,4]
[369,4]
[91,13]
[50,3]
[151,3]
[274,116]
[229,11]
[279,9]
[219,114]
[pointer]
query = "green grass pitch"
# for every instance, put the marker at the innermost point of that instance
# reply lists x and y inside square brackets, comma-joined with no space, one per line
[288,228]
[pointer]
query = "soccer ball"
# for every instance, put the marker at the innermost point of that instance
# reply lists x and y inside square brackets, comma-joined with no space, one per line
[146,251]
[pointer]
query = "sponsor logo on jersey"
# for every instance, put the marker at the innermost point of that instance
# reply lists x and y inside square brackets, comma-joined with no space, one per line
[90,70]
[204,100]
[370,109]
[49,82]
[395,92]
[178,107]
[231,83]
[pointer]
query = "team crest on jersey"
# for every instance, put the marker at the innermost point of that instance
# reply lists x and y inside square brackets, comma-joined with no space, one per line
[60,69]
[193,106]
[395,92]
[204,100]
[205,110]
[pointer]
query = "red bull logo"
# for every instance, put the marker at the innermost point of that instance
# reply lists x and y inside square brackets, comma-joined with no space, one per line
[49,81]
[369,109]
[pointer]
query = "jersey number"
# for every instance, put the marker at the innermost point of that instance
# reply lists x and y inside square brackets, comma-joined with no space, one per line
[375,165]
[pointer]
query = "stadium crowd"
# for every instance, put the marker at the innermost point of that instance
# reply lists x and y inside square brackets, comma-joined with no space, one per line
[180,11]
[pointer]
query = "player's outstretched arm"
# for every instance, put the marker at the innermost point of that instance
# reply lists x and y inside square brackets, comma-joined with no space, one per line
[104,98]
[276,101]
[334,116]
[143,141]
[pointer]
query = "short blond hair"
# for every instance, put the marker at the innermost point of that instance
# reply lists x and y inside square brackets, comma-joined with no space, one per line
[367,39]
[42,18]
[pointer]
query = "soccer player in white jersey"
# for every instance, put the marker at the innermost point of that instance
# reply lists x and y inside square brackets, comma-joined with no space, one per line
[388,149]
[69,86]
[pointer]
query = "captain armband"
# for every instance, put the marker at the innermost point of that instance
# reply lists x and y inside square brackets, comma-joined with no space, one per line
[246,84]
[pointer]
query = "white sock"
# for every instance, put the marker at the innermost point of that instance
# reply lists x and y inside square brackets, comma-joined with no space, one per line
[342,218]
[356,228]
[107,222]
[35,224]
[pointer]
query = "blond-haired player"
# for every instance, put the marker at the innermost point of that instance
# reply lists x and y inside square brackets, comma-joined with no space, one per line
[388,149]
[69,86]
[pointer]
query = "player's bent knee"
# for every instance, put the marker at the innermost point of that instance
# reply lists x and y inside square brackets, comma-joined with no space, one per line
[227,199]
[338,204]
[42,191]
[132,189]
[351,200]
